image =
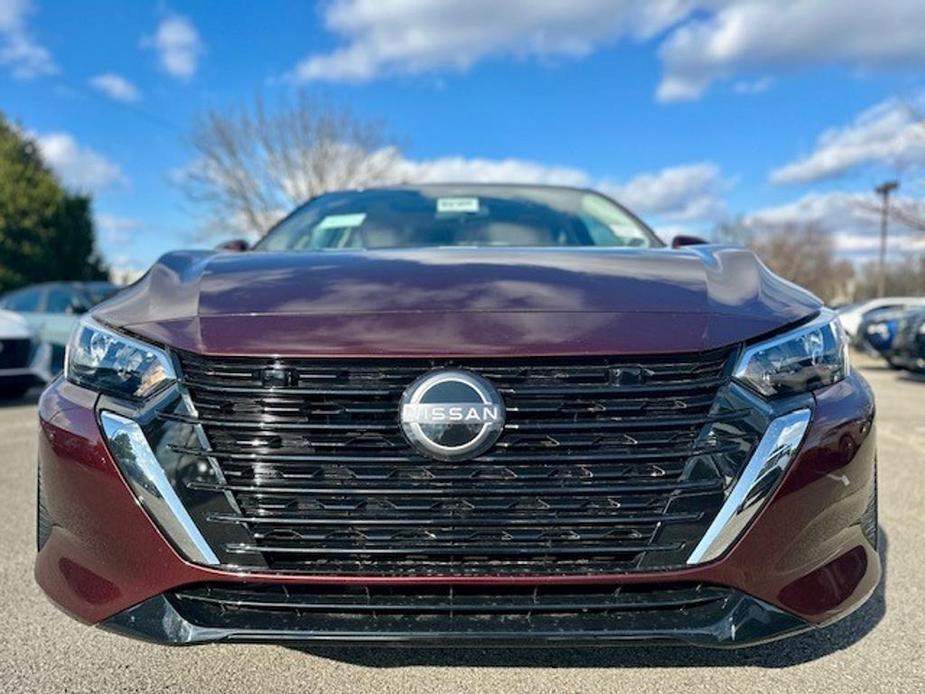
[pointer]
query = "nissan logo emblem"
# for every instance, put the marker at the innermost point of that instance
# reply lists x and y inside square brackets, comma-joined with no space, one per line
[452,415]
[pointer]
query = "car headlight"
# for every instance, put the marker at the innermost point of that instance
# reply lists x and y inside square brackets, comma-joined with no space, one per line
[809,357]
[105,361]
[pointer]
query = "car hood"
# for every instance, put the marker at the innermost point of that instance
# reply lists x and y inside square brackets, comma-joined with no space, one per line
[462,301]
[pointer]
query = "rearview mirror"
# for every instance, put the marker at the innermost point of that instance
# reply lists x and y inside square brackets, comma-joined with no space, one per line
[234,246]
[682,240]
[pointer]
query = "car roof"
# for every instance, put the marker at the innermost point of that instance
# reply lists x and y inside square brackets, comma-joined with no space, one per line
[470,184]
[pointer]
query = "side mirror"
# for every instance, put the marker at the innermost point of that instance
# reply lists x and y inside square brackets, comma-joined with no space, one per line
[75,309]
[234,246]
[682,240]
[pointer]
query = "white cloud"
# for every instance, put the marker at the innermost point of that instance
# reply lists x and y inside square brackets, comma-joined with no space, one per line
[178,46]
[832,210]
[689,192]
[19,51]
[701,41]
[463,169]
[761,36]
[413,36]
[116,87]
[116,229]
[859,244]
[78,167]
[851,218]
[682,193]
[888,133]
[758,86]
[124,269]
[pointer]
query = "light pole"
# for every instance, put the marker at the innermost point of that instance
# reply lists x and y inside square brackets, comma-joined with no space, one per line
[884,190]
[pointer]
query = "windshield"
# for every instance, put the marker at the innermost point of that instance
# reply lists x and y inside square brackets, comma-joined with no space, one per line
[96,292]
[458,216]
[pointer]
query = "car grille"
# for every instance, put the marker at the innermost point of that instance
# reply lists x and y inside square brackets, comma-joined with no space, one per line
[604,465]
[300,600]
[372,609]
[14,354]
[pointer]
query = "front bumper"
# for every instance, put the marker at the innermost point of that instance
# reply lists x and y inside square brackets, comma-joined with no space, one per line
[732,620]
[809,558]
[36,372]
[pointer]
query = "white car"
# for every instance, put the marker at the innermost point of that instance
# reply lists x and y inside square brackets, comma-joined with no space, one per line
[851,316]
[25,361]
[53,309]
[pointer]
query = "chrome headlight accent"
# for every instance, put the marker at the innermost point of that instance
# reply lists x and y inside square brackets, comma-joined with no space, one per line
[152,489]
[105,361]
[755,485]
[809,357]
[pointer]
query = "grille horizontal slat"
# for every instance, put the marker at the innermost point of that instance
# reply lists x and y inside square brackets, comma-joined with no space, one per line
[463,605]
[633,423]
[263,390]
[270,424]
[671,386]
[608,424]
[457,566]
[457,490]
[547,456]
[598,458]
[497,521]
[487,507]
[516,391]
[424,549]
[483,473]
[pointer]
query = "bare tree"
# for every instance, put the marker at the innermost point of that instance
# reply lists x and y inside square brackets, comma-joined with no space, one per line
[905,277]
[802,253]
[906,211]
[252,165]
[909,213]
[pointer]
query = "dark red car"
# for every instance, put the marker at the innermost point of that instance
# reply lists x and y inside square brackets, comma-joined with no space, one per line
[459,414]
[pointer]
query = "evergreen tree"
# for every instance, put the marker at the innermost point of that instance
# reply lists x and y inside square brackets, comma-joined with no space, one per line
[46,233]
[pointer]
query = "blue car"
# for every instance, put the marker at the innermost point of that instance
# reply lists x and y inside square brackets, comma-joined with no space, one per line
[877,332]
[908,348]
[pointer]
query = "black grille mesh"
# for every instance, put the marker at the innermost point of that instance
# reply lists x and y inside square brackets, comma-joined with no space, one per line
[455,613]
[604,465]
[301,600]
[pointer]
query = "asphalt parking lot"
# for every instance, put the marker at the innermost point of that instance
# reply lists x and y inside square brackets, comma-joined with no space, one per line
[879,648]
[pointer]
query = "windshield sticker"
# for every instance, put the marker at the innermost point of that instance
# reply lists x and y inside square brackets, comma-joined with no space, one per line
[457,205]
[342,221]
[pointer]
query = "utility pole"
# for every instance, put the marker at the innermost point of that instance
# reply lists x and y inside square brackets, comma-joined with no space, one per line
[884,190]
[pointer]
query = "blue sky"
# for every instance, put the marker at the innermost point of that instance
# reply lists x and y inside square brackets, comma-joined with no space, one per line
[690,112]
